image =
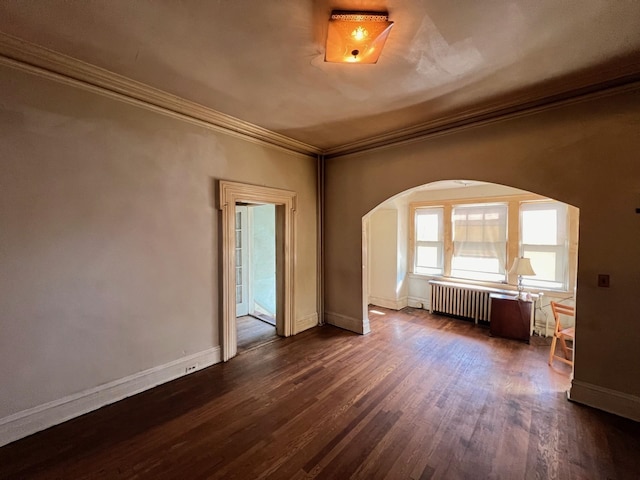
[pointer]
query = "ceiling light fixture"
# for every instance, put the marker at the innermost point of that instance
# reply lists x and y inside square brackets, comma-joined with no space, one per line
[356,37]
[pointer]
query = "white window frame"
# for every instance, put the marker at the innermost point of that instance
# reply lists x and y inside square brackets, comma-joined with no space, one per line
[513,240]
[561,248]
[438,244]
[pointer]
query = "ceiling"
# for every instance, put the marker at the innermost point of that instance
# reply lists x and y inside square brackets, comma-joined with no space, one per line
[262,61]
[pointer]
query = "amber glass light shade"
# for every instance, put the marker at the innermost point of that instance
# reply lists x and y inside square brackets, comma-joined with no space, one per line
[356,37]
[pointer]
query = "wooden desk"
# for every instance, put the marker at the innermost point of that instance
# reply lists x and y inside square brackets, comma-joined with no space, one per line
[510,317]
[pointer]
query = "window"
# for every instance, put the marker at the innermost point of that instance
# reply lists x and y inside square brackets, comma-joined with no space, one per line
[429,241]
[543,239]
[479,242]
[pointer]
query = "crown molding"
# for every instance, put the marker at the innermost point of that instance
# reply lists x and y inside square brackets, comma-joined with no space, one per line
[22,55]
[497,111]
[37,60]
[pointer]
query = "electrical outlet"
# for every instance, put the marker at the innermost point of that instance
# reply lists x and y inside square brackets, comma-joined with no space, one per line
[191,368]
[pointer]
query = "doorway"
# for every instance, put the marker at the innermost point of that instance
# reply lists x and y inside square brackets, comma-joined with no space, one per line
[283,204]
[255,274]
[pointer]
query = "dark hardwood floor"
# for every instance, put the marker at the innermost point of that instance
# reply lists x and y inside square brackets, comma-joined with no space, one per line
[253,333]
[420,397]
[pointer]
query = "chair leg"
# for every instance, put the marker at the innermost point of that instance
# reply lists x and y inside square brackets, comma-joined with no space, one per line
[553,349]
[565,349]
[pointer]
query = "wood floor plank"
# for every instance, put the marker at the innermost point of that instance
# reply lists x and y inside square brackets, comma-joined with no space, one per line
[253,332]
[420,397]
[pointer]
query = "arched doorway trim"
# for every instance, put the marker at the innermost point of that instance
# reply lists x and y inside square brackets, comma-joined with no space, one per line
[409,287]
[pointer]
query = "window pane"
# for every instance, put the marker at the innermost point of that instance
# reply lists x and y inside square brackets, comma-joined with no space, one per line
[428,271]
[475,233]
[544,264]
[486,277]
[428,226]
[460,230]
[479,249]
[543,227]
[479,242]
[427,256]
[532,282]
[540,227]
[429,243]
[480,223]
[476,264]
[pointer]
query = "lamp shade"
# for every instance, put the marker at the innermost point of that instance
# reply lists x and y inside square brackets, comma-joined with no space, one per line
[356,37]
[521,266]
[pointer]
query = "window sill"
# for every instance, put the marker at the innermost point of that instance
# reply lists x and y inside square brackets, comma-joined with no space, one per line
[498,285]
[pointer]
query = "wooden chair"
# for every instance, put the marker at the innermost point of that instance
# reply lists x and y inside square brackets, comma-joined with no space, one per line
[562,334]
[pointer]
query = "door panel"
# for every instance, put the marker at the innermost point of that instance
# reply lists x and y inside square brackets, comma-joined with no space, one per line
[242,262]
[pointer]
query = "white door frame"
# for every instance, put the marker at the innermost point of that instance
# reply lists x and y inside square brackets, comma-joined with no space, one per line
[285,202]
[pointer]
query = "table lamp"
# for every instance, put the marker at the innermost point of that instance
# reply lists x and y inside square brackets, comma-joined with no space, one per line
[521,266]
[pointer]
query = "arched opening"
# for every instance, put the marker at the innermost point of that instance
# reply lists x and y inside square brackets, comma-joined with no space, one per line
[448,246]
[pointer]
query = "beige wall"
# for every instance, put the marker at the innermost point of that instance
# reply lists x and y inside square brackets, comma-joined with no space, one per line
[384,265]
[585,154]
[109,239]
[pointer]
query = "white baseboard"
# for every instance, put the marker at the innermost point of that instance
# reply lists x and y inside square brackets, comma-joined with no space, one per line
[612,401]
[391,303]
[348,323]
[305,323]
[542,331]
[418,302]
[32,420]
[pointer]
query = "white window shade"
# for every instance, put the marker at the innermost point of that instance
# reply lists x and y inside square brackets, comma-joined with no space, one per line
[428,255]
[479,242]
[543,239]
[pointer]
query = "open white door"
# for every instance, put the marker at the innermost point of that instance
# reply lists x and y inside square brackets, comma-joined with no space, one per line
[261,285]
[242,262]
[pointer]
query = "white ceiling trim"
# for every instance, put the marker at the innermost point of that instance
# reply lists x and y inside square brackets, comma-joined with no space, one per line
[34,59]
[495,112]
[424,131]
[37,60]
